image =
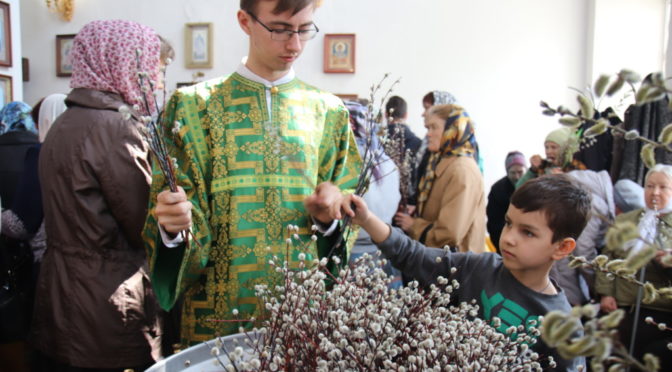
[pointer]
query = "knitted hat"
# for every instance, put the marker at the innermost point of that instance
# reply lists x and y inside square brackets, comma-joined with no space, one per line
[559,136]
[628,195]
[514,158]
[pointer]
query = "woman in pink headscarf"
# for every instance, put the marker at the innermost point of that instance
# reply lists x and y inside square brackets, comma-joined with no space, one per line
[94,308]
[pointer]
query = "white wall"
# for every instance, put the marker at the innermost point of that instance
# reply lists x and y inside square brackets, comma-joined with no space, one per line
[15,70]
[627,34]
[166,16]
[499,58]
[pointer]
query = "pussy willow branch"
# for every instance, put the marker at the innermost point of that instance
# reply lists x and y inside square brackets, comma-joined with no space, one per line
[370,158]
[612,127]
[156,142]
[406,327]
[626,358]
[155,133]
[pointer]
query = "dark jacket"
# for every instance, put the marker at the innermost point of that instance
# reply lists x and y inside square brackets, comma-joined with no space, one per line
[649,120]
[411,141]
[498,204]
[15,255]
[13,148]
[94,306]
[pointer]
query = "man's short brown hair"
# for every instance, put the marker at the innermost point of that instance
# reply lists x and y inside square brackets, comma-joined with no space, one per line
[282,6]
[396,107]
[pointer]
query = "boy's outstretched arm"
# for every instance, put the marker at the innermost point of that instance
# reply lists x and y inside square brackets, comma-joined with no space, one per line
[355,207]
[409,256]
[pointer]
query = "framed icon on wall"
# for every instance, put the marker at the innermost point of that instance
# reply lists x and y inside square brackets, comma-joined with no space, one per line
[6,94]
[6,36]
[339,53]
[198,45]
[63,49]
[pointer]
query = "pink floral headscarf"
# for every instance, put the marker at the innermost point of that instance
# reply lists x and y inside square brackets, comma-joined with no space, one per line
[104,57]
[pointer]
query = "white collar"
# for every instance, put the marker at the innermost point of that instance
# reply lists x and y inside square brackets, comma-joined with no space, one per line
[248,74]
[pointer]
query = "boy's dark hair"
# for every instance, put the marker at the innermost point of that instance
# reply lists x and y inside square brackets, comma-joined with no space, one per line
[282,6]
[397,106]
[565,204]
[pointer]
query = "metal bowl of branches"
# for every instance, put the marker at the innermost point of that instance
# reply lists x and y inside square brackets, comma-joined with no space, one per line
[209,356]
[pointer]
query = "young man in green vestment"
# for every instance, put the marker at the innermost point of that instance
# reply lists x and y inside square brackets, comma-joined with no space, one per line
[249,148]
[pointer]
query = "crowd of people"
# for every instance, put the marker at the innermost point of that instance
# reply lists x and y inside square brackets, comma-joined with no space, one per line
[105,268]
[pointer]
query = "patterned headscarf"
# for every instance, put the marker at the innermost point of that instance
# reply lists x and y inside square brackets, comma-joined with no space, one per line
[15,116]
[358,114]
[443,98]
[457,140]
[104,57]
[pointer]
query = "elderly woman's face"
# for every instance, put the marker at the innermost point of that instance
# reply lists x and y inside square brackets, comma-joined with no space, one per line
[657,190]
[435,126]
[515,173]
[552,152]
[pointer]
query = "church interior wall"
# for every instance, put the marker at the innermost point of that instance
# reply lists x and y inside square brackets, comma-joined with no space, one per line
[499,58]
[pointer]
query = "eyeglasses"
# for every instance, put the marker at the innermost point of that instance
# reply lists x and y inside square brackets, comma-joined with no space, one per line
[281,34]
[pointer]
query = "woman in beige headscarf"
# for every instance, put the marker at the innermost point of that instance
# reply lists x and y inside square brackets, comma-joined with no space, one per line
[451,202]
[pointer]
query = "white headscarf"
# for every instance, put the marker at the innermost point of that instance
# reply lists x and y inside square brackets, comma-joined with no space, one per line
[648,223]
[52,106]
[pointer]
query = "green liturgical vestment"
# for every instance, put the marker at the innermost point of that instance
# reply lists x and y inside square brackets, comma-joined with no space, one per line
[246,171]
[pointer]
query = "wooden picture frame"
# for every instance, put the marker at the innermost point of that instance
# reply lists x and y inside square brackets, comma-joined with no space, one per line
[25,69]
[6,36]
[6,91]
[183,84]
[63,48]
[198,45]
[339,53]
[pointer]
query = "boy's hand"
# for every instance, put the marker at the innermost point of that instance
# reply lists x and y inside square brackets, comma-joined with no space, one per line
[608,304]
[325,203]
[173,211]
[355,207]
[360,214]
